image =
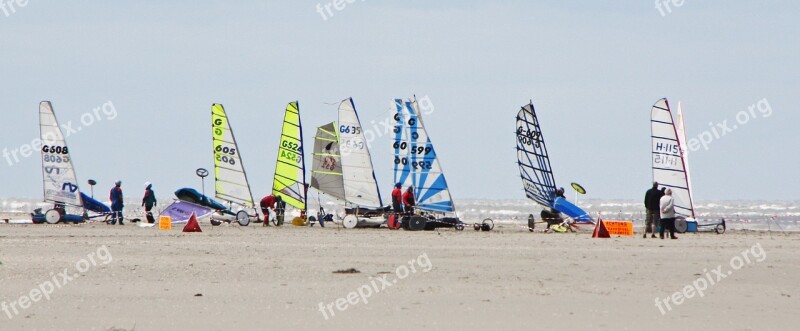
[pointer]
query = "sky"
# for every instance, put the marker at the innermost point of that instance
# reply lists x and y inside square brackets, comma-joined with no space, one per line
[592,69]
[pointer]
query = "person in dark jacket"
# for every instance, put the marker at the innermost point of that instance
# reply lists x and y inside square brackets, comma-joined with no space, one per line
[409,201]
[560,193]
[149,201]
[397,199]
[652,209]
[116,203]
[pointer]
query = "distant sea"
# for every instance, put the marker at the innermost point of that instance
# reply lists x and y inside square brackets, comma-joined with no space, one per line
[739,215]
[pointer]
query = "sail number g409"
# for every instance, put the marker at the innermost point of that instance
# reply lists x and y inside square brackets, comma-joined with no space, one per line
[528,137]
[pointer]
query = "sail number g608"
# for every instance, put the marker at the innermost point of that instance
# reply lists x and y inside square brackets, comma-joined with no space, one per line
[55,149]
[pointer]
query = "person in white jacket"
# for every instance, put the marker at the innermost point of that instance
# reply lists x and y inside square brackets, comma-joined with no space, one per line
[668,214]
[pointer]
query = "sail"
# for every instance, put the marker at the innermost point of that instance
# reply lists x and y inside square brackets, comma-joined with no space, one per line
[415,161]
[290,169]
[669,165]
[680,126]
[360,186]
[326,168]
[533,160]
[230,179]
[180,211]
[60,182]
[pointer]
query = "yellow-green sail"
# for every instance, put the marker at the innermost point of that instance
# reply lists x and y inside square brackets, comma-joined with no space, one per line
[230,179]
[290,174]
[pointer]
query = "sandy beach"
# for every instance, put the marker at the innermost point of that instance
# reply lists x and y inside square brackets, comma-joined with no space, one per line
[101,277]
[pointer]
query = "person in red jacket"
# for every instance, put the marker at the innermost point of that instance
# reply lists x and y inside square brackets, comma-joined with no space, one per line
[267,204]
[397,199]
[408,200]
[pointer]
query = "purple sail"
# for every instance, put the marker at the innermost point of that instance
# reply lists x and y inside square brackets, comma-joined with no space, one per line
[181,211]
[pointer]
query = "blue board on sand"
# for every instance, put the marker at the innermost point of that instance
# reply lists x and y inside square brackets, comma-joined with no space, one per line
[571,210]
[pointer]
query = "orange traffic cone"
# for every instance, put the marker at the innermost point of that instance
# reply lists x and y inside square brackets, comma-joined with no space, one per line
[600,230]
[192,225]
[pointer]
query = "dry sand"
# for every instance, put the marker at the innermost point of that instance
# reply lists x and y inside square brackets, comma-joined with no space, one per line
[254,278]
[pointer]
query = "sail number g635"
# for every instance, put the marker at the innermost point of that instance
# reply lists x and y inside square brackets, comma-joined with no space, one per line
[350,129]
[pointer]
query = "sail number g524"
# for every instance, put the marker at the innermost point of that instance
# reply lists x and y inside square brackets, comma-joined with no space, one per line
[292,146]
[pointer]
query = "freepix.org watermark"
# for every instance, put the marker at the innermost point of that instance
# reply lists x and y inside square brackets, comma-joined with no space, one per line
[374,286]
[664,7]
[87,119]
[338,5]
[378,129]
[10,7]
[721,129]
[698,287]
[56,281]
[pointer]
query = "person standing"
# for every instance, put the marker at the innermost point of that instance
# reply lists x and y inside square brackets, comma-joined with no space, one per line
[409,201]
[667,207]
[397,199]
[116,203]
[652,204]
[149,201]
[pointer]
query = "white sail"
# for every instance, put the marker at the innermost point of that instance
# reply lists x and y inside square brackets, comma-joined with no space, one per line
[326,169]
[680,127]
[230,179]
[668,160]
[360,186]
[533,159]
[60,182]
[416,163]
